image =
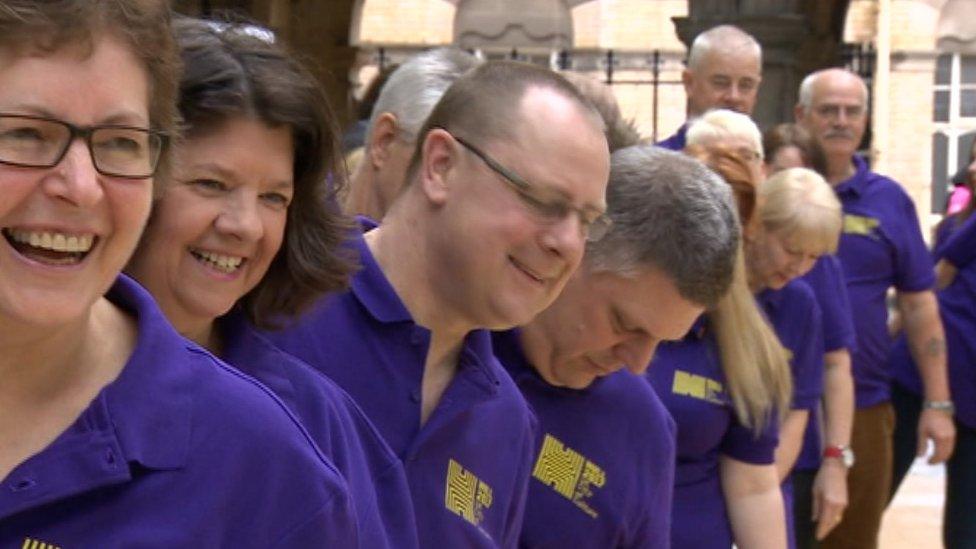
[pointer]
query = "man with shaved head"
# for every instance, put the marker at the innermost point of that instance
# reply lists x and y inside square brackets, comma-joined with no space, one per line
[724,71]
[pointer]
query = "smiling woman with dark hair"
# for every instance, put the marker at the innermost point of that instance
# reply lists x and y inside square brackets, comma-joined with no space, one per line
[245,236]
[114,431]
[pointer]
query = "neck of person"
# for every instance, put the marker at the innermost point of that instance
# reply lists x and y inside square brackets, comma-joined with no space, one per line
[398,246]
[839,168]
[70,361]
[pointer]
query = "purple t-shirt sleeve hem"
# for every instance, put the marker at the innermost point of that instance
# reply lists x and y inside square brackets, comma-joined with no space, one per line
[959,249]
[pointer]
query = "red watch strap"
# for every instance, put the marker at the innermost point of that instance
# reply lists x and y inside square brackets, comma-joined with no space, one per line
[833,452]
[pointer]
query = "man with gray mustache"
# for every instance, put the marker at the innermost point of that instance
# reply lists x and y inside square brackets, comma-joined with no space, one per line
[881,246]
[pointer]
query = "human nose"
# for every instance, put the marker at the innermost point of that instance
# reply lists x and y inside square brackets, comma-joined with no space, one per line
[636,353]
[240,217]
[75,178]
[566,237]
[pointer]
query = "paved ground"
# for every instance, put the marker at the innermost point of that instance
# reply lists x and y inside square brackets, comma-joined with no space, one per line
[914,520]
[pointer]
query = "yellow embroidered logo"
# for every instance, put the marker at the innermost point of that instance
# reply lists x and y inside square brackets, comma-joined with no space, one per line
[31,543]
[466,495]
[860,225]
[568,473]
[697,386]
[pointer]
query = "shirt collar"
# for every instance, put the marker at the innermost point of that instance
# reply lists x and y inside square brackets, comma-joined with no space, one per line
[370,285]
[249,351]
[150,403]
[854,185]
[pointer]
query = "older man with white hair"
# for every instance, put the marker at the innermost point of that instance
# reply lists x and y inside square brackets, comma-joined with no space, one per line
[881,247]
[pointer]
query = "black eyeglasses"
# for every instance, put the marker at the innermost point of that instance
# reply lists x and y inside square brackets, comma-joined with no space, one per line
[116,150]
[593,223]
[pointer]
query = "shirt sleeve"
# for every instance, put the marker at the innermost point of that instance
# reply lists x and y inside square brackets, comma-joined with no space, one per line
[654,528]
[517,510]
[807,360]
[828,285]
[914,271]
[960,248]
[332,525]
[741,443]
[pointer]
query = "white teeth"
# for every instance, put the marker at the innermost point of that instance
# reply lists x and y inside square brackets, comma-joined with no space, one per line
[59,242]
[226,263]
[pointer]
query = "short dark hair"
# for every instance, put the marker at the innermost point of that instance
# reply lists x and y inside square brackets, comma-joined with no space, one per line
[236,69]
[143,25]
[484,103]
[793,135]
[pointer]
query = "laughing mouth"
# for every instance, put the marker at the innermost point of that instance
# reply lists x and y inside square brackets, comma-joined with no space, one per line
[51,247]
[226,264]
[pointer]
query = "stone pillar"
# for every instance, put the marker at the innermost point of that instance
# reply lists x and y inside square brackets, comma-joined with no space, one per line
[532,26]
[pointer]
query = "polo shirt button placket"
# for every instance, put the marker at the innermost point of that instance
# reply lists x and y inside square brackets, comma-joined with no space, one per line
[23,485]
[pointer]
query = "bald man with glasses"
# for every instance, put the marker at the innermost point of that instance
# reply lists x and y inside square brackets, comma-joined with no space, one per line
[506,185]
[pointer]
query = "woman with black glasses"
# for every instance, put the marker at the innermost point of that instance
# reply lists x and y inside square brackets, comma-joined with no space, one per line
[115,431]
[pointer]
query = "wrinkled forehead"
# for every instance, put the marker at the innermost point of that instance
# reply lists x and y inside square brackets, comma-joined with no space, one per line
[737,63]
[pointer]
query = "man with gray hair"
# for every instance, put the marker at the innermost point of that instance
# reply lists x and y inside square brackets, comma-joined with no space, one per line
[403,104]
[723,72]
[668,255]
[881,247]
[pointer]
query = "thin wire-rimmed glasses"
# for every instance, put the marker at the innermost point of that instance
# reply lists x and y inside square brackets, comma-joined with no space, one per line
[116,150]
[593,223]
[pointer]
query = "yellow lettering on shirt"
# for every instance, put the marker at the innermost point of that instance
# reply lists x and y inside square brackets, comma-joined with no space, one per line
[860,225]
[466,495]
[696,386]
[31,543]
[569,473]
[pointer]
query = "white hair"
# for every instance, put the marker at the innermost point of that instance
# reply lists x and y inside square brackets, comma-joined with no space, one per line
[725,38]
[806,87]
[719,124]
[415,87]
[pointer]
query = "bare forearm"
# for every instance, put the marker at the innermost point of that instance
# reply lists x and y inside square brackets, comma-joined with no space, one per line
[790,442]
[838,398]
[926,340]
[755,505]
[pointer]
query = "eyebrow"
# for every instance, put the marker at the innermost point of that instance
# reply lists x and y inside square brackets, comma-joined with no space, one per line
[225,173]
[123,117]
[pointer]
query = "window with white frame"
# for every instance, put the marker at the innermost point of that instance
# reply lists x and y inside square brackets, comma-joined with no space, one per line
[955,122]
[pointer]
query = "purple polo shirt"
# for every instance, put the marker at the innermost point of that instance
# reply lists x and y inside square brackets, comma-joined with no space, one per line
[688,377]
[826,279]
[604,466]
[957,307]
[795,316]
[881,247]
[677,141]
[180,450]
[468,466]
[338,426]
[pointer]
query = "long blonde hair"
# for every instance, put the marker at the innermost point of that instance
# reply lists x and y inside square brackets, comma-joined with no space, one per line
[755,363]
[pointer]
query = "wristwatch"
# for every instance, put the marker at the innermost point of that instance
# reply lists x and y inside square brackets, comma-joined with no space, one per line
[946,406]
[843,453]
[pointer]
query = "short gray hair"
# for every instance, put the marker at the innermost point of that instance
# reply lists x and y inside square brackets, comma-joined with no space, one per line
[672,213]
[415,87]
[806,87]
[723,37]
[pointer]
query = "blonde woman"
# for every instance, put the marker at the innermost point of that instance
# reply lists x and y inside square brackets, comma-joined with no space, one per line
[727,386]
